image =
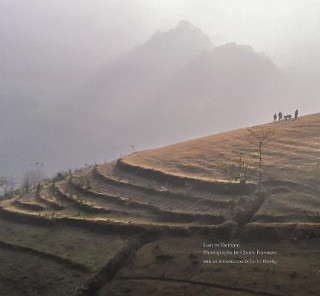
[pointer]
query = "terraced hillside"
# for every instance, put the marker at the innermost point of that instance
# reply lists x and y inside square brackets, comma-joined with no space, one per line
[291,167]
[93,221]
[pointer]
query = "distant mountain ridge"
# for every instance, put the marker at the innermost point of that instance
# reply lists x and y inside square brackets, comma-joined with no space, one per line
[179,77]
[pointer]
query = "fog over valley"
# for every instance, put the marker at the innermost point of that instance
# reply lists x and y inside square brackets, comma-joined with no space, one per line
[84,82]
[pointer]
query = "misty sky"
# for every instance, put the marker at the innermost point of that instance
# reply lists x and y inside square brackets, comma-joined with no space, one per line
[287,30]
[56,57]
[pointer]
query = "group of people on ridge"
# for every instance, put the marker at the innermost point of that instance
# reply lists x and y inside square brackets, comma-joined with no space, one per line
[280,116]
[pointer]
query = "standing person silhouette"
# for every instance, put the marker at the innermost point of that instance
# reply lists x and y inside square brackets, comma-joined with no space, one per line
[296,113]
[280,115]
[275,117]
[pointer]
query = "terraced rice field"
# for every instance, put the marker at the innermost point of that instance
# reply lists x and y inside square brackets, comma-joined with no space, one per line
[175,191]
[172,184]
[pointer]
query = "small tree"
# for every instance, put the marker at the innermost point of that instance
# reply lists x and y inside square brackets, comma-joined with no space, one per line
[259,136]
[26,186]
[7,184]
[235,170]
[33,175]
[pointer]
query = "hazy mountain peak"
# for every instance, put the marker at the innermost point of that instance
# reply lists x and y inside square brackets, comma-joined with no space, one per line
[185,24]
[147,68]
[184,34]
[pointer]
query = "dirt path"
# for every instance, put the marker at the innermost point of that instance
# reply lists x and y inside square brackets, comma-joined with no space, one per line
[109,271]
